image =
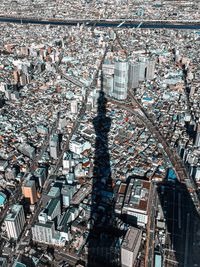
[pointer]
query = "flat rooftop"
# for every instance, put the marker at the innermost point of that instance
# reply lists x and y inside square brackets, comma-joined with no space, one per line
[13,212]
[132,239]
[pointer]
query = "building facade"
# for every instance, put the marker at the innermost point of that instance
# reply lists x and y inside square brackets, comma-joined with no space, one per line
[120,80]
[15,221]
[130,247]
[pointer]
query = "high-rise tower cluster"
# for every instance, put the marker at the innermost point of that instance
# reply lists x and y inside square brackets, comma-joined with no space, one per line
[120,76]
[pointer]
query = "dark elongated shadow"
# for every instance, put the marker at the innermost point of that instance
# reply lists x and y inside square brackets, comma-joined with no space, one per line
[101,240]
[182,225]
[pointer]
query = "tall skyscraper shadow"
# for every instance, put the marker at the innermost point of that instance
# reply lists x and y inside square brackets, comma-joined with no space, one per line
[101,240]
[182,222]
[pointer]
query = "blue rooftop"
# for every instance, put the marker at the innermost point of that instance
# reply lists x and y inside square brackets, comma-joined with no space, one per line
[147,98]
[19,264]
[2,198]
[171,175]
[158,261]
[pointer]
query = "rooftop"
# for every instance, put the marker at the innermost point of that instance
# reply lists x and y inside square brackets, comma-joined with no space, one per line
[13,212]
[132,239]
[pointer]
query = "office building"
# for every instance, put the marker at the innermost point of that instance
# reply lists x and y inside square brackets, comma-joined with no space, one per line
[142,69]
[3,199]
[54,146]
[68,160]
[150,69]
[133,75]
[146,69]
[197,173]
[78,145]
[15,221]
[74,106]
[51,211]
[67,194]
[197,139]
[3,165]
[41,174]
[2,100]
[3,262]
[108,68]
[108,84]
[62,122]
[70,177]
[43,232]
[130,247]
[120,80]
[27,150]
[136,202]
[29,191]
[54,192]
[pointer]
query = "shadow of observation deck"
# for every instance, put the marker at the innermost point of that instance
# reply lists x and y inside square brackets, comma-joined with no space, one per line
[102,237]
[182,225]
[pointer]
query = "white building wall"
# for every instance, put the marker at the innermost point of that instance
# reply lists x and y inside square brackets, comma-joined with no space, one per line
[126,258]
[15,226]
[120,80]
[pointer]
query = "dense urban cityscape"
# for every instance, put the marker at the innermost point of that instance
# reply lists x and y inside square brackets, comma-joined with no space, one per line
[99,133]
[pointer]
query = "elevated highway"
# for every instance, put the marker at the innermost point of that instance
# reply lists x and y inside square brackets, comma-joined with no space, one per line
[123,22]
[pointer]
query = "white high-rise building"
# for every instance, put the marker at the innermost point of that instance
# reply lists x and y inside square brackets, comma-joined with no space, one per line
[130,247]
[74,106]
[15,221]
[78,146]
[142,69]
[146,68]
[108,69]
[197,139]
[108,84]
[68,160]
[120,80]
[43,232]
[197,174]
[150,69]
[62,122]
[133,75]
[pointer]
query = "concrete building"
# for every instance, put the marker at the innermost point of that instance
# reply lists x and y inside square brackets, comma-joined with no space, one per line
[108,69]
[130,247]
[67,194]
[29,191]
[74,106]
[78,146]
[136,202]
[3,199]
[142,69]
[197,139]
[120,80]
[133,75]
[54,146]
[150,69]
[62,122]
[108,84]
[51,211]
[43,232]
[3,262]
[146,69]
[41,174]
[15,221]
[27,150]
[68,160]
[3,165]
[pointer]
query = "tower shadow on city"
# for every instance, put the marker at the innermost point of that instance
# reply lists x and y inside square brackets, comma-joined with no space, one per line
[101,239]
[182,225]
